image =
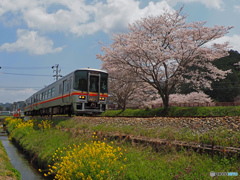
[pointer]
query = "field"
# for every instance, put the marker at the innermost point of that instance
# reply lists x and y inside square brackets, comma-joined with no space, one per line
[56,145]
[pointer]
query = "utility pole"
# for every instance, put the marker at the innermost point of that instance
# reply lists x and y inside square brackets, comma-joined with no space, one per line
[57,71]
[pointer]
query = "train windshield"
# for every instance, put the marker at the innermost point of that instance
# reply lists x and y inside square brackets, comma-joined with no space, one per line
[80,80]
[104,83]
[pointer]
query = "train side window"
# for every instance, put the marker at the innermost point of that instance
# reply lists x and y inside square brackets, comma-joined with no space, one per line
[40,97]
[60,88]
[53,91]
[70,83]
[65,86]
[45,95]
[49,93]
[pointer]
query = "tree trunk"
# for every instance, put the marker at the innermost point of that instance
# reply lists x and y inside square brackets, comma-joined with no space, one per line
[165,99]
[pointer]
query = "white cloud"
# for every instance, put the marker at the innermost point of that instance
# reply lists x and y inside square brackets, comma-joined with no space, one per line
[117,18]
[62,20]
[212,4]
[15,95]
[233,41]
[237,8]
[78,17]
[33,43]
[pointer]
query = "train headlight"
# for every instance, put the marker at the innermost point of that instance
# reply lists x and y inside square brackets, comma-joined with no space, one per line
[102,98]
[82,97]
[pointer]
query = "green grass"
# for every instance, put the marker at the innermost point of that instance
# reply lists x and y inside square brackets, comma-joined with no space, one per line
[178,111]
[142,161]
[221,136]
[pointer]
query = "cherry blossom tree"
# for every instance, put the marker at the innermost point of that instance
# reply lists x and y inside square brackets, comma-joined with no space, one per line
[125,89]
[160,50]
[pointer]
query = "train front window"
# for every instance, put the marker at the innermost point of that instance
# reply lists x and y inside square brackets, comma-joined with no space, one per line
[80,80]
[104,83]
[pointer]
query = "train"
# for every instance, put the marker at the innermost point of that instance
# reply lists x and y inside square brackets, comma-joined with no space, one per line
[83,91]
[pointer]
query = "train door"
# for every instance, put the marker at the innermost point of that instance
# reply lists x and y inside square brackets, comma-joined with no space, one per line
[93,88]
[66,91]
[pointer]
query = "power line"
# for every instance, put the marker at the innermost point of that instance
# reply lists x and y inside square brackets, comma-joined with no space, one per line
[9,67]
[24,74]
[10,87]
[20,89]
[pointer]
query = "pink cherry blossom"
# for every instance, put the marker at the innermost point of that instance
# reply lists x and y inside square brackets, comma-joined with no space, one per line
[159,50]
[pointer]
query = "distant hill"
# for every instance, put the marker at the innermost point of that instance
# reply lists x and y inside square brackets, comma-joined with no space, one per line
[7,106]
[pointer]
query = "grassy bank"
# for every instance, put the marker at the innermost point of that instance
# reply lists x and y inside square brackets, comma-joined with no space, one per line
[179,111]
[174,132]
[63,144]
[6,169]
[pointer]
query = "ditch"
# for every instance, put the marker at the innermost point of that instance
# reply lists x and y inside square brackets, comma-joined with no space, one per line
[18,160]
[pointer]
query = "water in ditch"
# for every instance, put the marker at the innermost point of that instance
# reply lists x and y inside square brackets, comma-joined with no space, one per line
[18,160]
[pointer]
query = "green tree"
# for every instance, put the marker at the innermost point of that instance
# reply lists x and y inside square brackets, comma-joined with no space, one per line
[226,89]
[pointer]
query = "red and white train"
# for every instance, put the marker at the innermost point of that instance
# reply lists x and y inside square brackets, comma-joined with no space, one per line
[83,91]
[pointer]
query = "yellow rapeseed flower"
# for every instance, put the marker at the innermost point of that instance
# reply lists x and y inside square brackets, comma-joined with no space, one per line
[98,158]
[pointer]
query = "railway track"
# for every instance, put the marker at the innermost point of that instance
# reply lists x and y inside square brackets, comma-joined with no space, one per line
[159,144]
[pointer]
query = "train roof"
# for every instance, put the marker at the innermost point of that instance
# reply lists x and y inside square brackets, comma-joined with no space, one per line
[91,69]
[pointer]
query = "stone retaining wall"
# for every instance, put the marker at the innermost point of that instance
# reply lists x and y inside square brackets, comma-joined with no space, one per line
[196,124]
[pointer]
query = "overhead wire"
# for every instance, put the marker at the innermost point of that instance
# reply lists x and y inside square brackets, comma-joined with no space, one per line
[12,67]
[25,68]
[18,74]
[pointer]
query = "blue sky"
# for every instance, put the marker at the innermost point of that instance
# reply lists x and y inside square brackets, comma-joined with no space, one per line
[35,35]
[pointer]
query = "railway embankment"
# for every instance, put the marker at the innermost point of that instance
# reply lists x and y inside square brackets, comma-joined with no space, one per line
[196,124]
[138,139]
[219,135]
